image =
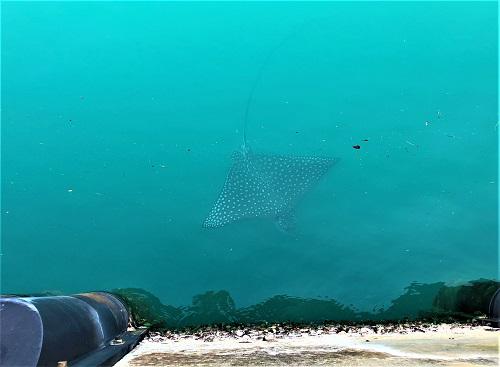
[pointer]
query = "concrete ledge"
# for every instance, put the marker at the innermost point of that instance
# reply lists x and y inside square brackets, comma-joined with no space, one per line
[433,345]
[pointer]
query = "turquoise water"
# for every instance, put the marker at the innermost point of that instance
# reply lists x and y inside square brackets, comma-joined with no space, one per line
[119,121]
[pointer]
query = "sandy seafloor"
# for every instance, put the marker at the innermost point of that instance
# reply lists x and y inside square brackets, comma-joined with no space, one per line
[380,345]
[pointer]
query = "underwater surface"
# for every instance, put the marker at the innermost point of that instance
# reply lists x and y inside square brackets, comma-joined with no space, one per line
[338,154]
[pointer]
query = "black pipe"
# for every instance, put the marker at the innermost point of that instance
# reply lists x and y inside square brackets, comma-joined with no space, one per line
[42,331]
[494,310]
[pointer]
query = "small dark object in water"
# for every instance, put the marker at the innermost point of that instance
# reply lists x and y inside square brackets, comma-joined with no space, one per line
[356,147]
[365,139]
[189,149]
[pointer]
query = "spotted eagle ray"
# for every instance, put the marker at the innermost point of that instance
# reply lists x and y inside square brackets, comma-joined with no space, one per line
[265,185]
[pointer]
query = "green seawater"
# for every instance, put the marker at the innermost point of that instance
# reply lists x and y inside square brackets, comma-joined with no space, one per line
[119,120]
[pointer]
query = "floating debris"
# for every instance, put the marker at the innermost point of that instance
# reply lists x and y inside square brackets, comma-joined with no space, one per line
[356,147]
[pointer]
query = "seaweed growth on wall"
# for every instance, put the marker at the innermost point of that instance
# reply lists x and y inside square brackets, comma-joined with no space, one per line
[435,302]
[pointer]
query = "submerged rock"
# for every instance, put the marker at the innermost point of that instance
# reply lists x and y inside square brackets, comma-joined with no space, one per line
[210,308]
[466,300]
[146,308]
[284,308]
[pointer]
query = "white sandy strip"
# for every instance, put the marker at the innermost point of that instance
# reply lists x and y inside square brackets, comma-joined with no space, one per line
[443,344]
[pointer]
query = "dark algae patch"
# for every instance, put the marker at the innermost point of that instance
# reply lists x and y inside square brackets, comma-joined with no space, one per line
[146,309]
[428,303]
